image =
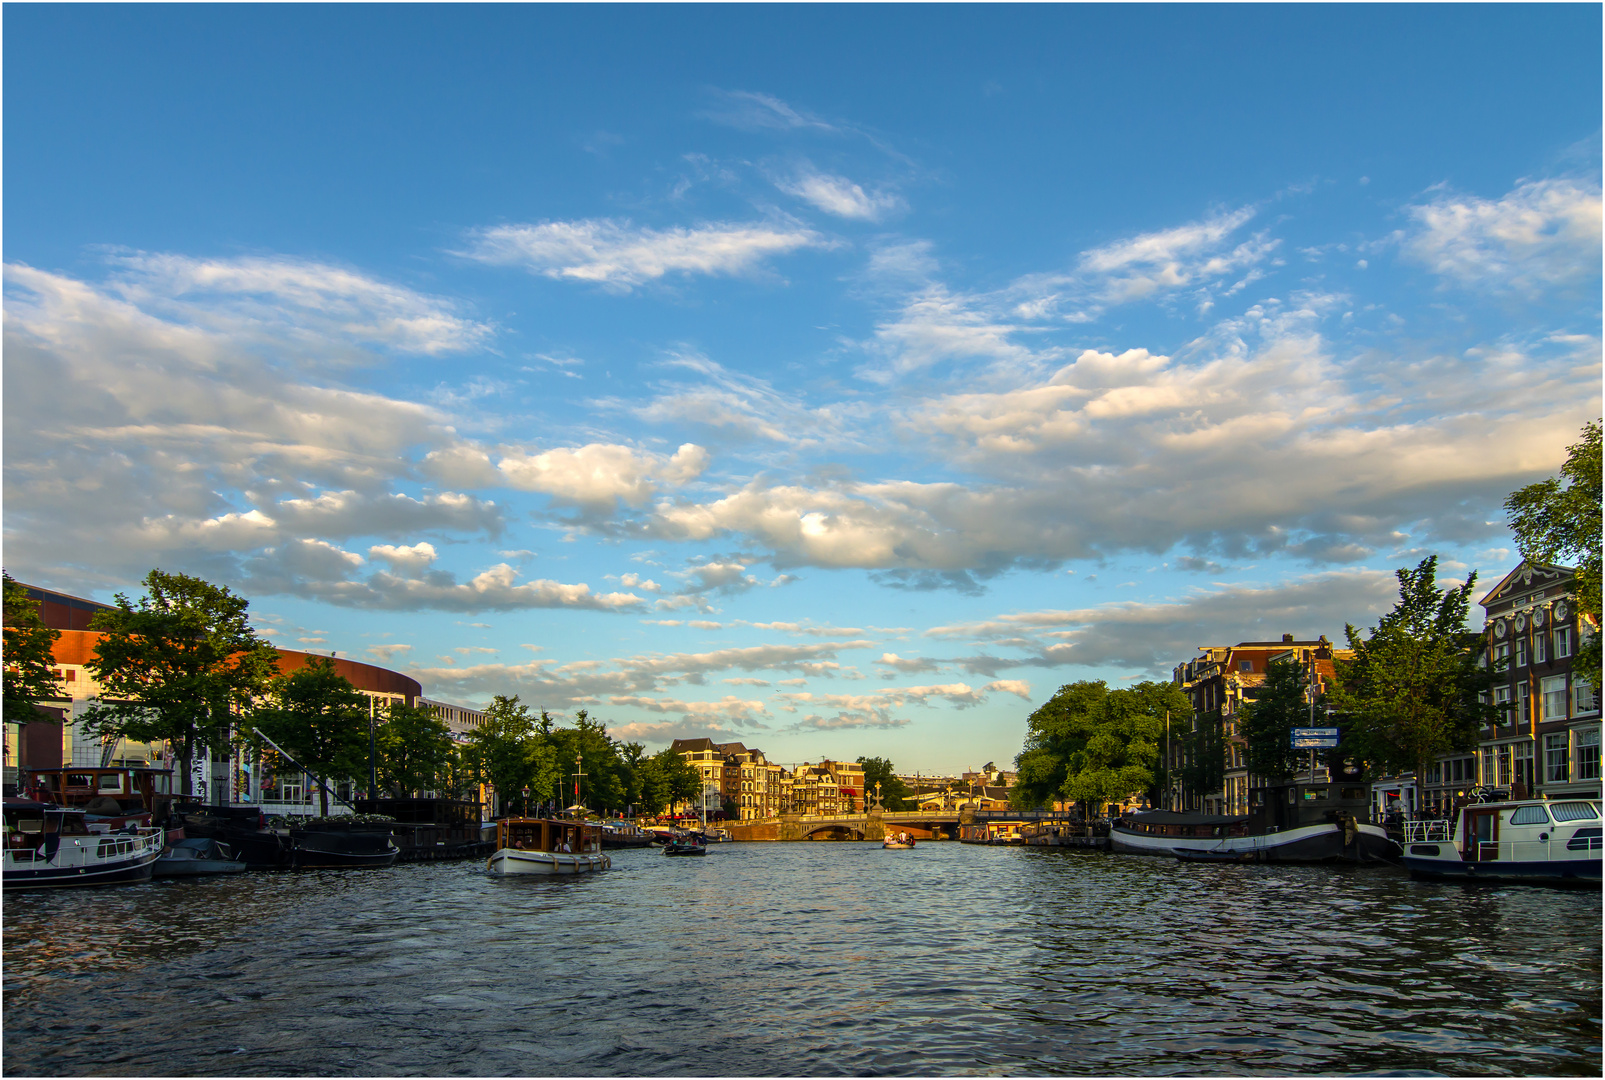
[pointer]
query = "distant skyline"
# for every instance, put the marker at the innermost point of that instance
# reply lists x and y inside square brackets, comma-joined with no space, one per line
[837,380]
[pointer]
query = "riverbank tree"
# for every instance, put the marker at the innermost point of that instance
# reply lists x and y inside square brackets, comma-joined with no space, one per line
[1558,521]
[318,718]
[1412,690]
[894,794]
[414,751]
[1091,745]
[1267,721]
[180,667]
[30,673]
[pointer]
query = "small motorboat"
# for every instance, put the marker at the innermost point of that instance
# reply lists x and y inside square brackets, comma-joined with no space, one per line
[197,855]
[686,845]
[1526,841]
[898,842]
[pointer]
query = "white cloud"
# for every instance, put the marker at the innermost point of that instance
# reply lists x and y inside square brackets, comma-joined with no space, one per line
[621,255]
[598,474]
[1542,233]
[838,195]
[387,653]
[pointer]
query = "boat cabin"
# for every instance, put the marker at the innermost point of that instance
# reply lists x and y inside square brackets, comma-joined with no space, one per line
[133,788]
[30,824]
[548,834]
[1299,803]
[1187,825]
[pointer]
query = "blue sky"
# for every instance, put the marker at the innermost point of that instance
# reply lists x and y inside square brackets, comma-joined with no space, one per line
[839,380]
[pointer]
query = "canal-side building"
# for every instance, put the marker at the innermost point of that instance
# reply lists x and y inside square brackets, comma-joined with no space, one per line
[1220,681]
[1547,739]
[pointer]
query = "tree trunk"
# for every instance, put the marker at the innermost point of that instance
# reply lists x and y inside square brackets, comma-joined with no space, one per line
[323,794]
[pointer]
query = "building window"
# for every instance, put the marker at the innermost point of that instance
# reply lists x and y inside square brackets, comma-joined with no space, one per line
[1502,763]
[1521,710]
[1563,643]
[1588,754]
[1522,753]
[1555,758]
[1583,697]
[1502,656]
[1245,665]
[1489,776]
[1553,690]
[1521,652]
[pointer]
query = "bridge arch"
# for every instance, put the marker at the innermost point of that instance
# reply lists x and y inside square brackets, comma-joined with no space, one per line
[834,831]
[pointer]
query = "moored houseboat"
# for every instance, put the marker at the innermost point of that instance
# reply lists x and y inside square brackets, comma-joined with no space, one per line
[1289,823]
[48,846]
[547,846]
[1514,841]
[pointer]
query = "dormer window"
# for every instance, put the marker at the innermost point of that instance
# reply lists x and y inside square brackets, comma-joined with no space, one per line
[1245,665]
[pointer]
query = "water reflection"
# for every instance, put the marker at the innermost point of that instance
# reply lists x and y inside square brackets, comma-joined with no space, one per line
[806,959]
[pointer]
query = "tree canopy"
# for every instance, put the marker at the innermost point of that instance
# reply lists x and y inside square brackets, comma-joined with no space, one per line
[320,720]
[894,794]
[179,666]
[30,674]
[1558,521]
[1090,745]
[665,779]
[415,750]
[1411,691]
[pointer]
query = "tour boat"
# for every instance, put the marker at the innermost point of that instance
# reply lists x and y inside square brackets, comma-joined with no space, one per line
[1298,823]
[624,834]
[547,846]
[1519,840]
[195,856]
[51,846]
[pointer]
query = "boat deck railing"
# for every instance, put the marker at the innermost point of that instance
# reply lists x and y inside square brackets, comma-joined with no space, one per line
[1426,832]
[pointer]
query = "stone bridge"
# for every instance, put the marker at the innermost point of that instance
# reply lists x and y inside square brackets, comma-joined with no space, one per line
[921,824]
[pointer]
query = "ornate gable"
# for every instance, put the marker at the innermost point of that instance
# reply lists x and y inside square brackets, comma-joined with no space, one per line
[1527,584]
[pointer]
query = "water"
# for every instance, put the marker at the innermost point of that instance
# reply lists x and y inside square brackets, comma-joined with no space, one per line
[806,959]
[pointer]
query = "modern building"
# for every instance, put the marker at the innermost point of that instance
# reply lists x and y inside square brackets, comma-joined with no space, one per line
[58,739]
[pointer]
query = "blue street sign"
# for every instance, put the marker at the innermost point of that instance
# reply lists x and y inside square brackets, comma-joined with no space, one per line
[1315,738]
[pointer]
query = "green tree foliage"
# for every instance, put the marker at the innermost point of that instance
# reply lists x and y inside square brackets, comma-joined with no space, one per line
[665,779]
[178,667]
[320,720]
[608,782]
[894,794]
[1203,754]
[1268,720]
[1411,691]
[1558,521]
[509,751]
[415,749]
[1089,744]
[30,675]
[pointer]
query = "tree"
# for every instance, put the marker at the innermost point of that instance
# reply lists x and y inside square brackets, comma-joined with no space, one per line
[894,794]
[1560,523]
[607,781]
[510,751]
[320,720]
[179,667]
[667,778]
[1412,690]
[1091,745]
[414,750]
[30,675]
[1268,720]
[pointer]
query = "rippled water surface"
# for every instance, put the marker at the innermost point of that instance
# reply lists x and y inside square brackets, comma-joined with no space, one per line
[804,959]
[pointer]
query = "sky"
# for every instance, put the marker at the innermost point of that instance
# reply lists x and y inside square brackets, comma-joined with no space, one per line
[838,380]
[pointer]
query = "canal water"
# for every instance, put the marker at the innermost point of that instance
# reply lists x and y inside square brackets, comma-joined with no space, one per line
[807,959]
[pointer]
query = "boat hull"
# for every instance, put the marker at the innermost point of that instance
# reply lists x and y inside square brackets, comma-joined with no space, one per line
[513,862]
[684,849]
[1308,844]
[889,846]
[1538,872]
[342,851]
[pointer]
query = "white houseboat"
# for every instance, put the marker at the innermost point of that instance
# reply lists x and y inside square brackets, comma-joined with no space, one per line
[49,847]
[547,846]
[1525,840]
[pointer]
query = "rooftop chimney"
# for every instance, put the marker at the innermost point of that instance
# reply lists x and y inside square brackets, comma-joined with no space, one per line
[1287,639]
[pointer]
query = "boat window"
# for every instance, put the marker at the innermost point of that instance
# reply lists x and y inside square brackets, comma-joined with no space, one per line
[1574,811]
[1529,815]
[31,825]
[111,782]
[1316,793]
[1352,793]
[80,780]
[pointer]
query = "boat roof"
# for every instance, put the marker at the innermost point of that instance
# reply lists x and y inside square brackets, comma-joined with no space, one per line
[1172,817]
[41,807]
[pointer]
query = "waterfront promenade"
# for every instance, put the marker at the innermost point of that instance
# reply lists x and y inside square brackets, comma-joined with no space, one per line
[807,959]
